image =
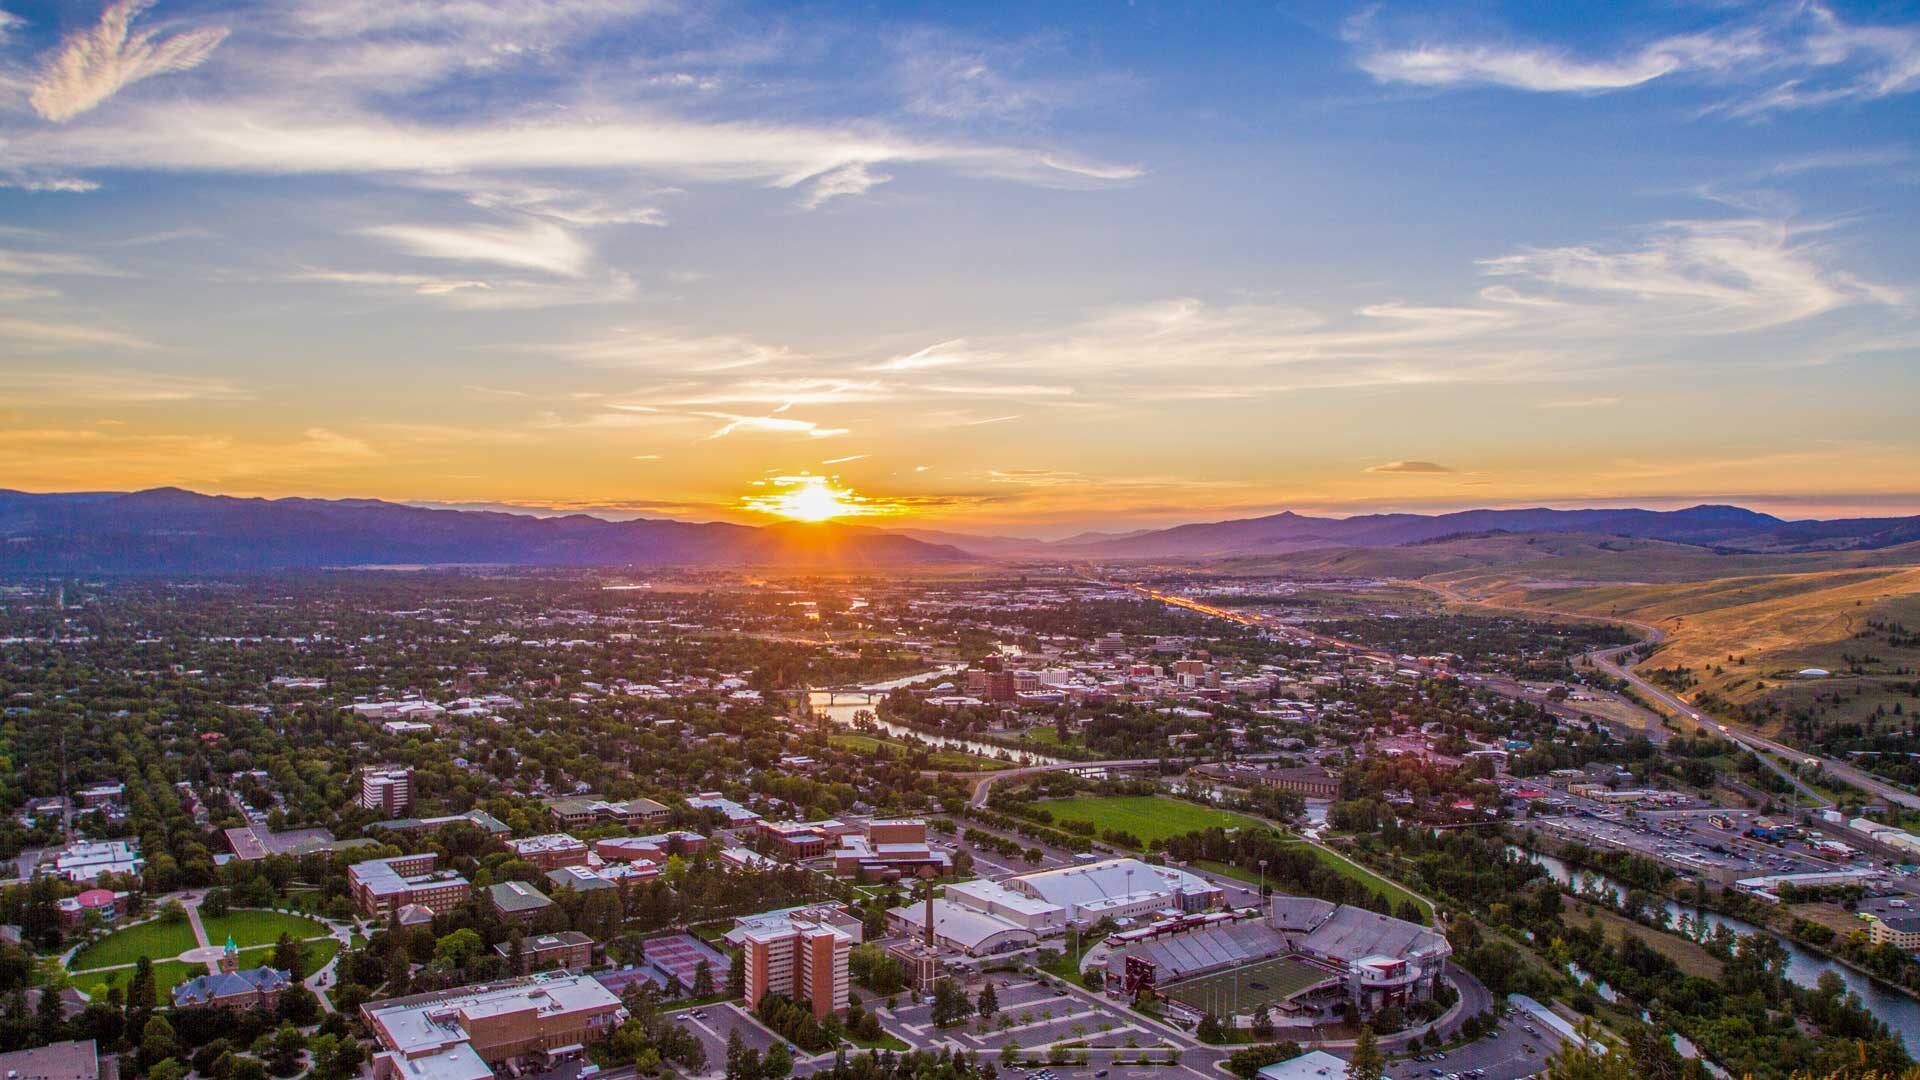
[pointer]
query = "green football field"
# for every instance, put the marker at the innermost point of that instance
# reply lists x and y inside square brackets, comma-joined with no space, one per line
[1239,991]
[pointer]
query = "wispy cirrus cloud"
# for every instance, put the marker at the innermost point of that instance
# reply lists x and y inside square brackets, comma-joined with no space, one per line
[92,65]
[530,245]
[1787,56]
[118,385]
[769,425]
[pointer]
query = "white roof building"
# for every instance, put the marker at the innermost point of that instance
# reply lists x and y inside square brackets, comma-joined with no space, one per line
[1118,888]
[1312,1065]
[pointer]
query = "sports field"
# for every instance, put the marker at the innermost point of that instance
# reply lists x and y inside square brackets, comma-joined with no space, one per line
[1238,991]
[1152,818]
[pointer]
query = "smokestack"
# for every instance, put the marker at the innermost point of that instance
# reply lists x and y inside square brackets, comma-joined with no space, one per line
[929,914]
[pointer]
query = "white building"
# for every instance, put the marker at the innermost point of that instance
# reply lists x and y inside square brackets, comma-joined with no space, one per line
[1118,889]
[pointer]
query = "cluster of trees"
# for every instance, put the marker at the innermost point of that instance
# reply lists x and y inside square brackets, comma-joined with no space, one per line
[1290,867]
[794,1021]
[648,1039]
[1751,1018]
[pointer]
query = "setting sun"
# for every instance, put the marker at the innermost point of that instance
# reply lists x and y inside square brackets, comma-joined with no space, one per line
[814,498]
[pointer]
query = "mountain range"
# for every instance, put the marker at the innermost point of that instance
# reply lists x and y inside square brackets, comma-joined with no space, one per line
[168,530]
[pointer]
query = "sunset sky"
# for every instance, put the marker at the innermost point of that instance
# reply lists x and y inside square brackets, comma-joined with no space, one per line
[1025,267]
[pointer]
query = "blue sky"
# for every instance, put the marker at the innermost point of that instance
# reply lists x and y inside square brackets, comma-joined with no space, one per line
[1012,266]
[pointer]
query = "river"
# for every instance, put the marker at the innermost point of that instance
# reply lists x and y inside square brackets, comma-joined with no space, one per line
[1901,1013]
[841,706]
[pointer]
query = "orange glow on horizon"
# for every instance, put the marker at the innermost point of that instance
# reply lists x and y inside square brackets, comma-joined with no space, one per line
[815,499]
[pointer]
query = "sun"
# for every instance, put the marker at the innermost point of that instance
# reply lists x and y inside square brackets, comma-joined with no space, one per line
[814,498]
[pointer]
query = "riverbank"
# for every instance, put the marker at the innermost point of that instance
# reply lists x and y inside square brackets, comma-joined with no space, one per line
[1761,917]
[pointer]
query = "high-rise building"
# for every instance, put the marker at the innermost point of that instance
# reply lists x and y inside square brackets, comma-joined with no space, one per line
[387,788]
[800,953]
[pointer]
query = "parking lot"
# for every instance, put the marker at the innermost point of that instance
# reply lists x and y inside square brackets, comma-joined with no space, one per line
[1034,1016]
[1514,1053]
[712,1025]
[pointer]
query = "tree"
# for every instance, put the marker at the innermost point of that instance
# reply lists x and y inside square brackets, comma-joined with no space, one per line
[140,991]
[215,904]
[989,1001]
[950,1004]
[283,1058]
[286,956]
[49,1019]
[1009,1053]
[703,980]
[157,1042]
[1366,1062]
[737,973]
[170,1069]
[1262,1022]
[1576,1062]
[779,1062]
[1246,1064]
[1210,1029]
[458,948]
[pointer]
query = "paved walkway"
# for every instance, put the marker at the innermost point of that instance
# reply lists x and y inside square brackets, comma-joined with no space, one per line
[207,953]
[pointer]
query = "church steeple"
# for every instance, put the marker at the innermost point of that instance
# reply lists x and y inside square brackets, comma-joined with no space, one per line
[230,957]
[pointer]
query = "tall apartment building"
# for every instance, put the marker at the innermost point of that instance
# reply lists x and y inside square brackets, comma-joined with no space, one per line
[381,887]
[387,788]
[801,953]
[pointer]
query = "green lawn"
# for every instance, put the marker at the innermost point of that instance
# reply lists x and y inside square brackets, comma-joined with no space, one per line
[155,940]
[166,975]
[253,928]
[1394,893]
[1152,818]
[314,954]
[938,758]
[1239,991]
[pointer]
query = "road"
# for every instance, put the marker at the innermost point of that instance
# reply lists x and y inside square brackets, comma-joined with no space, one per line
[1761,746]
[984,785]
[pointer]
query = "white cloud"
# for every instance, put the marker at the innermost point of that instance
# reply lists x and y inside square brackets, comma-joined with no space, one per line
[119,386]
[771,425]
[853,178]
[533,245]
[1792,56]
[92,65]
[1730,275]
[35,333]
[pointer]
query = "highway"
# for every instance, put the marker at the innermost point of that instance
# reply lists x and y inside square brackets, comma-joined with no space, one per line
[1606,660]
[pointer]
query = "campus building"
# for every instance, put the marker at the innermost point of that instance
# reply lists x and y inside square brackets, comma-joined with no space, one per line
[465,1033]
[1118,889]
[381,887]
[387,788]
[585,811]
[550,852]
[569,949]
[801,953]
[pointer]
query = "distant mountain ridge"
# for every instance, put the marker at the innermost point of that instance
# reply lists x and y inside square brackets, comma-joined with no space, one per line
[1729,528]
[169,530]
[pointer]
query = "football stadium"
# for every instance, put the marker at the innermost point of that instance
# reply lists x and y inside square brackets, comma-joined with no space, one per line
[1240,991]
[1303,958]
